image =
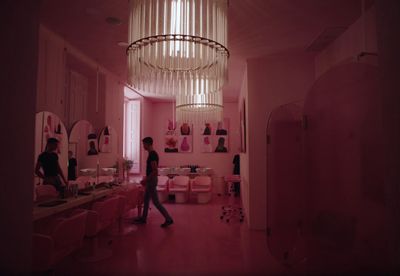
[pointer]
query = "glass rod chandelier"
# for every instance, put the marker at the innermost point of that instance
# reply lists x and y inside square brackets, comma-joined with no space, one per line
[175,43]
[201,107]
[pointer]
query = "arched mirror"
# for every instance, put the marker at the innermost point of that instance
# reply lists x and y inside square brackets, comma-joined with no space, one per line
[83,144]
[49,125]
[108,150]
[285,182]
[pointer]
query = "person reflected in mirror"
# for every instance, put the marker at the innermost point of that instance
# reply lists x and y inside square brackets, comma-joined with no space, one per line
[150,184]
[221,145]
[236,171]
[72,164]
[92,148]
[48,162]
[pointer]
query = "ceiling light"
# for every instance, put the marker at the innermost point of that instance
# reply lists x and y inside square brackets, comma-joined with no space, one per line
[200,107]
[175,43]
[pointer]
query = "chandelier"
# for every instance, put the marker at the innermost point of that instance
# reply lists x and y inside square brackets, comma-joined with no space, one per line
[201,107]
[175,43]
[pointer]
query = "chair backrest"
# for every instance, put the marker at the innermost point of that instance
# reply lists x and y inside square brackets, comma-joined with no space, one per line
[208,171]
[69,232]
[183,171]
[45,192]
[180,181]
[202,180]
[107,211]
[164,171]
[163,181]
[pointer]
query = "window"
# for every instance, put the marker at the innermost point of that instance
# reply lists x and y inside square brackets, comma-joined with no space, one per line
[131,145]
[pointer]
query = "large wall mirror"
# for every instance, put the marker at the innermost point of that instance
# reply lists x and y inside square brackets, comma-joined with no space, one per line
[83,143]
[49,125]
[108,148]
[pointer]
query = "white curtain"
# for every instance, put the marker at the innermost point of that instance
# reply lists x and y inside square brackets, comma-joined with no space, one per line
[132,133]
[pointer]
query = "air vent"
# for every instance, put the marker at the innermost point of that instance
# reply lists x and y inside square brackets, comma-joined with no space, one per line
[325,38]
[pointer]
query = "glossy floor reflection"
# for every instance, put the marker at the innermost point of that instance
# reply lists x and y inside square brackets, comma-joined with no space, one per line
[198,243]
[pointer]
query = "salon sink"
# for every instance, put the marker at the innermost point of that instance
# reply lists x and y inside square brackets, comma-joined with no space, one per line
[88,172]
[108,171]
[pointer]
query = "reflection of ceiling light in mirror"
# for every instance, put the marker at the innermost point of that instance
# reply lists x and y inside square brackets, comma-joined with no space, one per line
[113,20]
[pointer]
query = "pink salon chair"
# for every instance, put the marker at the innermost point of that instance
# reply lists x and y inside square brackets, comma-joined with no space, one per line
[162,188]
[63,237]
[179,186]
[201,186]
[101,217]
[45,192]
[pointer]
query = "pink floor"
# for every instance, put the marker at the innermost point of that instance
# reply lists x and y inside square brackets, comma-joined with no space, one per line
[198,243]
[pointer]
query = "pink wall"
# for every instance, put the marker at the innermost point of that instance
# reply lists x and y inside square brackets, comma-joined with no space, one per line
[56,59]
[220,162]
[19,50]
[272,81]
[51,74]
[114,112]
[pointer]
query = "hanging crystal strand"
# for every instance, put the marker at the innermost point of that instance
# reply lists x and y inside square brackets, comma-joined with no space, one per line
[149,17]
[171,82]
[193,32]
[180,32]
[220,23]
[143,33]
[191,84]
[134,60]
[184,32]
[140,76]
[153,46]
[199,30]
[225,28]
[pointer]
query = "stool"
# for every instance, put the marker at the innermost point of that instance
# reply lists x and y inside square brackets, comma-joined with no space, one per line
[232,211]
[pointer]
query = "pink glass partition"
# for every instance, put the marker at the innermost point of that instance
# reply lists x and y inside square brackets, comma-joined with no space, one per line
[345,191]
